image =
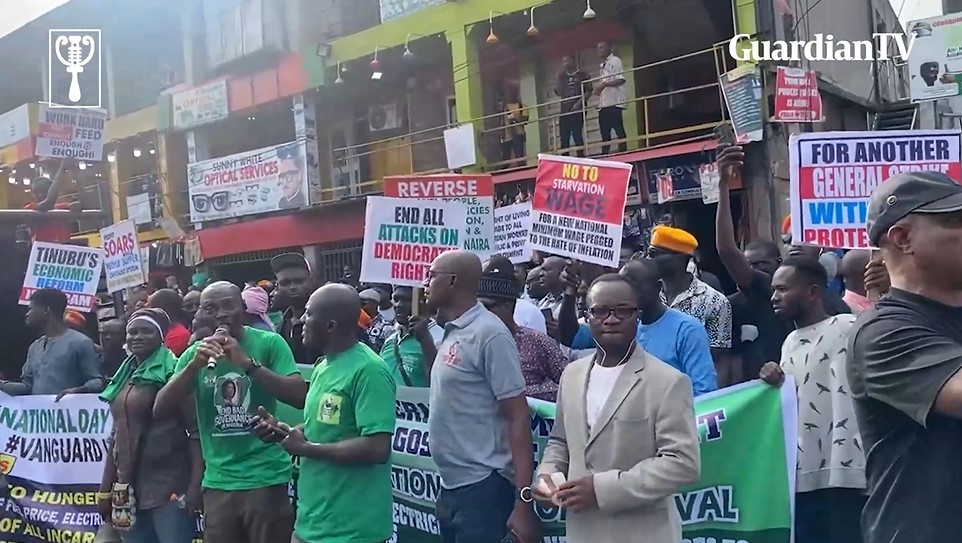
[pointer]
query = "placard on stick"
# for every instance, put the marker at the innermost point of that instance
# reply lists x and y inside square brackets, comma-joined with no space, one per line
[578,208]
[403,236]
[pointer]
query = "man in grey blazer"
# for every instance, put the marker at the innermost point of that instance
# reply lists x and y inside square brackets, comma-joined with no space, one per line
[624,436]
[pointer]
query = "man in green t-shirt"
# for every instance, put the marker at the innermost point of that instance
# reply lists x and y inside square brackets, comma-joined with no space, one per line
[414,340]
[344,490]
[230,375]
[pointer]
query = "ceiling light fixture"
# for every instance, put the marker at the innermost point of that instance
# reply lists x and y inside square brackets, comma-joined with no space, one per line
[533,30]
[339,79]
[137,152]
[82,165]
[152,151]
[375,63]
[492,37]
[112,157]
[589,13]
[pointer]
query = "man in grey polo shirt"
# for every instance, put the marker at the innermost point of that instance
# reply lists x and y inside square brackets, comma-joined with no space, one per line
[480,425]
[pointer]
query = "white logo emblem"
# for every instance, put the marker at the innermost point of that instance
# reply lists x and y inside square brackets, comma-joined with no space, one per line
[74,67]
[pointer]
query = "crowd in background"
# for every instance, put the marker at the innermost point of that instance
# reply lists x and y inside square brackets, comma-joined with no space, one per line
[194,380]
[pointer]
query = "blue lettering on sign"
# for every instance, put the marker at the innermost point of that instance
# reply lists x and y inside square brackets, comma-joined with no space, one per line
[824,212]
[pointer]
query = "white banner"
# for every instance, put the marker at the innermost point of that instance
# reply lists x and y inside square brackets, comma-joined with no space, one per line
[403,236]
[511,226]
[122,256]
[71,133]
[51,442]
[71,269]
[260,181]
[200,105]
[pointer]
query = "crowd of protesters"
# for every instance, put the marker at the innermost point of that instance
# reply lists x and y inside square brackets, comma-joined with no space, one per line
[194,380]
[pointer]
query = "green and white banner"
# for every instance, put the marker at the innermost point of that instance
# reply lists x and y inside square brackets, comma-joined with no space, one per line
[745,495]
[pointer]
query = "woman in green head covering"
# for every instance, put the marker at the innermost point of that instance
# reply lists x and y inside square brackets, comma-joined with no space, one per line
[151,482]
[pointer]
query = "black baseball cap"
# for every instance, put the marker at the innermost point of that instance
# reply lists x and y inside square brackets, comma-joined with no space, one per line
[907,193]
[289,260]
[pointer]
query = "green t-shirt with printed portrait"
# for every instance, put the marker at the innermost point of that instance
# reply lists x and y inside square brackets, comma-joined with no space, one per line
[227,399]
[351,395]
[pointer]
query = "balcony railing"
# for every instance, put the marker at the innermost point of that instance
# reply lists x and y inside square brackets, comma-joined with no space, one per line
[398,152]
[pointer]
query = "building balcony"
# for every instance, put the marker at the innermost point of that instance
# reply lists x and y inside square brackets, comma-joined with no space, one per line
[664,109]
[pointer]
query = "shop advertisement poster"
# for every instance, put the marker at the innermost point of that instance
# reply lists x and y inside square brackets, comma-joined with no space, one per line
[797,99]
[71,269]
[474,192]
[935,57]
[54,453]
[122,262]
[833,175]
[71,133]
[742,88]
[200,105]
[250,183]
[403,236]
[578,208]
[511,226]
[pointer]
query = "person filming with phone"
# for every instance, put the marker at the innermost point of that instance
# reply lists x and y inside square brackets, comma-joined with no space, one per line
[624,440]
[415,339]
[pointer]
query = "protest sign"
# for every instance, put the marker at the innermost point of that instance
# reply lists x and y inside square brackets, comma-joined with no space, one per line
[200,105]
[833,175]
[54,454]
[474,192]
[249,183]
[71,269]
[797,99]
[731,502]
[71,133]
[403,236]
[578,208]
[511,226]
[122,263]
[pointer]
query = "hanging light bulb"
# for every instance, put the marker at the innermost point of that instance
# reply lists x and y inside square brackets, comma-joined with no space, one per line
[589,13]
[533,30]
[339,79]
[26,181]
[376,64]
[492,37]
[112,157]
[82,165]
[13,172]
[32,165]
[152,151]
[137,152]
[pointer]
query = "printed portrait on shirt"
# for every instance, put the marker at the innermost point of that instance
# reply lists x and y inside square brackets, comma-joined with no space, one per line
[232,400]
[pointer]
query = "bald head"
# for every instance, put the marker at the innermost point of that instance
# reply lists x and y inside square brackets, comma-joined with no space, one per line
[464,265]
[853,269]
[336,302]
[220,288]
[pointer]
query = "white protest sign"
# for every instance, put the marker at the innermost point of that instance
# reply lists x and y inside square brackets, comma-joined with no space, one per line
[403,236]
[511,226]
[71,269]
[122,262]
[833,175]
[71,133]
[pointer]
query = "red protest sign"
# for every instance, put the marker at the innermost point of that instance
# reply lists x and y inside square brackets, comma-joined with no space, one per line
[578,208]
[797,99]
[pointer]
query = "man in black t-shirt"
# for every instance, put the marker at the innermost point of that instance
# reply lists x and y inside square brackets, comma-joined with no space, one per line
[757,334]
[572,88]
[904,359]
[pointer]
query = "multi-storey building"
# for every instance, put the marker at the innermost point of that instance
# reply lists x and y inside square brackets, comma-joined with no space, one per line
[363,89]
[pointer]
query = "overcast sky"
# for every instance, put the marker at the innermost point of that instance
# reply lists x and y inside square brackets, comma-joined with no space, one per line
[913,10]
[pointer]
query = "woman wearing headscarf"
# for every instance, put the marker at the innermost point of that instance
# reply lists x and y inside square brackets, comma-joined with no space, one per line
[151,480]
[257,302]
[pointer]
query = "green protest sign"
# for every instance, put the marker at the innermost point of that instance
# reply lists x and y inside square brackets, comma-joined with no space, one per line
[747,436]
